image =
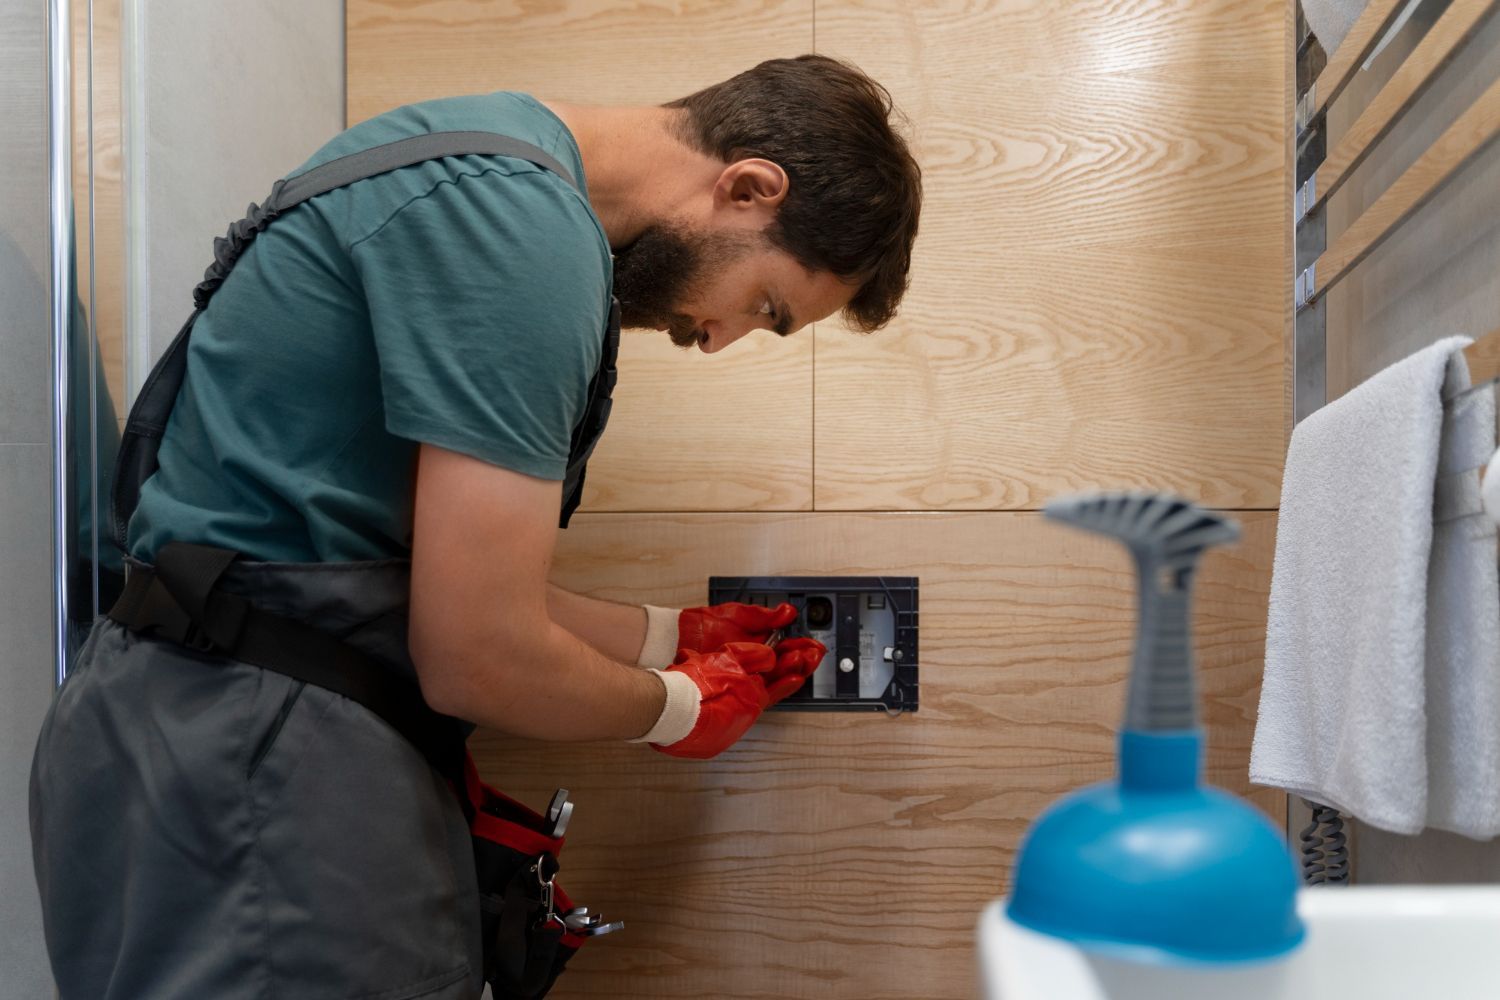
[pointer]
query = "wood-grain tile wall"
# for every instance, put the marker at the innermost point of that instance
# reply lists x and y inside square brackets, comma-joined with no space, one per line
[1096,293]
[1096,302]
[98,210]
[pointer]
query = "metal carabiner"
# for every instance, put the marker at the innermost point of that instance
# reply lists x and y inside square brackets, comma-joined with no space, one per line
[544,885]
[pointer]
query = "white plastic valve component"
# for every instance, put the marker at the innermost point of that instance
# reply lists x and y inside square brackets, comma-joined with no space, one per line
[846,665]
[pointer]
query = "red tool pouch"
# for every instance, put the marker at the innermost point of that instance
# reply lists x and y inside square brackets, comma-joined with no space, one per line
[521,906]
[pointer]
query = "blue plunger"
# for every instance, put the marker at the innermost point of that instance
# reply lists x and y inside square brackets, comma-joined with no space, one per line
[1156,867]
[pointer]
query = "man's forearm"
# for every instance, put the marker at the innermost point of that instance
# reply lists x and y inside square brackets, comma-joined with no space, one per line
[559,690]
[616,630]
[481,636]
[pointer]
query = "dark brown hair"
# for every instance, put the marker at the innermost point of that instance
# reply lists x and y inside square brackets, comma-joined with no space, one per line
[855,190]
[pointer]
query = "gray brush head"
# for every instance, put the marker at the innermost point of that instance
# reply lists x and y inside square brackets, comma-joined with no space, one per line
[1165,535]
[1170,528]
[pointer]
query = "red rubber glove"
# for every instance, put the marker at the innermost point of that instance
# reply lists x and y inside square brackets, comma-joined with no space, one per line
[796,659]
[704,630]
[731,696]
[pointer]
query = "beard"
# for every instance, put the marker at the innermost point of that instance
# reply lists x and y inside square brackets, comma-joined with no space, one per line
[664,266]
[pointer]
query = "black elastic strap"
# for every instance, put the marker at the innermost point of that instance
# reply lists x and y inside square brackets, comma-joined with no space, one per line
[179,600]
[404,153]
[147,422]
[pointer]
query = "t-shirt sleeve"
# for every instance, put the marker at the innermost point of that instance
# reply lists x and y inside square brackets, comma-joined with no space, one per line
[487,301]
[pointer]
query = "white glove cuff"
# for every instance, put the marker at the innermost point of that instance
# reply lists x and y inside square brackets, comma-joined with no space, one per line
[680,714]
[660,648]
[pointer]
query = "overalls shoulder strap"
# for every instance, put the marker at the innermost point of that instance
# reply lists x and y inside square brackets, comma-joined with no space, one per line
[404,153]
[141,439]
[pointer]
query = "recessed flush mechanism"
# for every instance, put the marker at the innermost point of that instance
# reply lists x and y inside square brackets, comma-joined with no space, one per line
[868,623]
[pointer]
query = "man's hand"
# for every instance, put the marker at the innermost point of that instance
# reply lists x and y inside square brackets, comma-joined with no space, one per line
[796,659]
[713,698]
[704,630]
[724,693]
[707,629]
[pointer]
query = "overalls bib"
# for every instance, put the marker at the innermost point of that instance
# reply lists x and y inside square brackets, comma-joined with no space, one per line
[206,827]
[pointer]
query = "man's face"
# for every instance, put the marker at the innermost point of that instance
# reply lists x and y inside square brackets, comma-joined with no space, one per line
[709,288]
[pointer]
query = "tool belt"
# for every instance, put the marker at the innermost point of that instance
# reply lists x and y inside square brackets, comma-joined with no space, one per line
[530,927]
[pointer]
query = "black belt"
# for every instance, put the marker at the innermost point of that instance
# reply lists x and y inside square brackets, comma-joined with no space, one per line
[179,600]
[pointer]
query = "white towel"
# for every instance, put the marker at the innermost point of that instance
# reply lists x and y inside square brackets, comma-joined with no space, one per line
[1381,693]
[1331,20]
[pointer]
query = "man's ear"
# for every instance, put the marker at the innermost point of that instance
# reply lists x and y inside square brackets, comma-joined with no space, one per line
[751,185]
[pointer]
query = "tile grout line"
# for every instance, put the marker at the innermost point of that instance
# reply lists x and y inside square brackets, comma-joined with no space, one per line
[868,510]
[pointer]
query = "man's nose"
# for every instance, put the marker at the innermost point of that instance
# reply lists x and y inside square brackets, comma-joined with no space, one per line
[721,335]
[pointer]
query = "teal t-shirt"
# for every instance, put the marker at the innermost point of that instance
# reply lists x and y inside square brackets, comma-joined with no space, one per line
[459,302]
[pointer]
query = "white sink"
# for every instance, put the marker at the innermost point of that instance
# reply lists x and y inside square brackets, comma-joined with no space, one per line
[1364,942]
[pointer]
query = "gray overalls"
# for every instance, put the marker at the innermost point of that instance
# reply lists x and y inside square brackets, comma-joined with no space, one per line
[205,827]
